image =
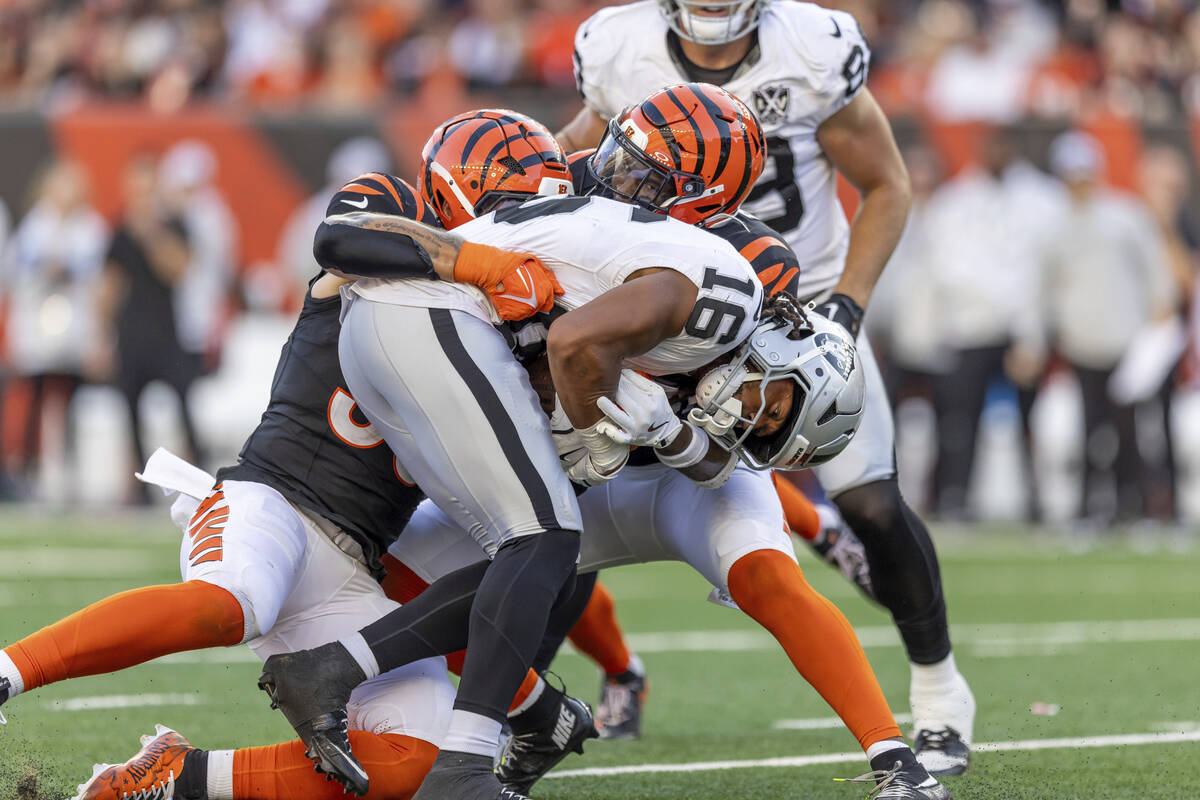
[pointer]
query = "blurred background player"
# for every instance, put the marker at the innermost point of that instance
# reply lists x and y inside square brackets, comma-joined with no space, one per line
[760,50]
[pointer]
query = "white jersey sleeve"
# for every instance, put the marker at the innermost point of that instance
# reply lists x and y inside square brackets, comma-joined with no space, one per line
[826,47]
[616,44]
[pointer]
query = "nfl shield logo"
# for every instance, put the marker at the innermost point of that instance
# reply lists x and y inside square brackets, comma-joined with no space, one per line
[771,104]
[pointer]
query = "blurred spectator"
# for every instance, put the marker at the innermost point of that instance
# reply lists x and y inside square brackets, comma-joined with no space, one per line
[1107,281]
[903,321]
[990,223]
[53,267]
[488,46]
[186,178]
[148,258]
[351,159]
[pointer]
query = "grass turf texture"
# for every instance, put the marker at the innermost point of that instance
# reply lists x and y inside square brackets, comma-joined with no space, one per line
[704,706]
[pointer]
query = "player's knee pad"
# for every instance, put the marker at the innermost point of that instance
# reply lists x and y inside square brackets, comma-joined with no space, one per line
[414,700]
[248,540]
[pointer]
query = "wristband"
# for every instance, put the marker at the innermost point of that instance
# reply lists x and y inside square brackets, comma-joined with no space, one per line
[691,455]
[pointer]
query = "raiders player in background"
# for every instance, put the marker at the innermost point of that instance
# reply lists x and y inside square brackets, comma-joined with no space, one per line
[803,69]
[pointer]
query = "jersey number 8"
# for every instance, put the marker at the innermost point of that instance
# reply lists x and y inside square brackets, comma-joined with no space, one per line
[778,188]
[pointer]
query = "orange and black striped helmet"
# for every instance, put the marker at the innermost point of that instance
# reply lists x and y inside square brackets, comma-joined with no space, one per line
[690,151]
[476,161]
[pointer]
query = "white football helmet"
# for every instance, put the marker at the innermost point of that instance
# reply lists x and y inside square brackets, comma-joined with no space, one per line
[683,18]
[819,358]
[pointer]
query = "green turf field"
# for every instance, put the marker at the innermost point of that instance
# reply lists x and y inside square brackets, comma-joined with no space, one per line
[1111,636]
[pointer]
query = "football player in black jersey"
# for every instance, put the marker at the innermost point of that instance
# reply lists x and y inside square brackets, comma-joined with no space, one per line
[285,547]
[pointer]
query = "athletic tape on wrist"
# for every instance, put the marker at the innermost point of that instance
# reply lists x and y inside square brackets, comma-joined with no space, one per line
[691,455]
[719,480]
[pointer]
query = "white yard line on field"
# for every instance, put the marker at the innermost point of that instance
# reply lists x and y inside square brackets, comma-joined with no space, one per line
[105,702]
[1123,740]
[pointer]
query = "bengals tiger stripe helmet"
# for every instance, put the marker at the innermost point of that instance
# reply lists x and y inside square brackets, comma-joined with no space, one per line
[476,161]
[690,151]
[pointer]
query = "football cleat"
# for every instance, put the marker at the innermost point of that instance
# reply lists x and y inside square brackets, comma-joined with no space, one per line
[942,752]
[527,757]
[839,547]
[5,687]
[311,688]
[619,714]
[902,782]
[150,775]
[464,776]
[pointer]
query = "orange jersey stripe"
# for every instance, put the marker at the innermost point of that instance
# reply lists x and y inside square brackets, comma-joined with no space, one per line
[217,515]
[358,187]
[756,248]
[215,555]
[387,185]
[214,498]
[207,544]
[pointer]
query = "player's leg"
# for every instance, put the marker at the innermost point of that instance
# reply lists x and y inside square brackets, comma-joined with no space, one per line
[905,576]
[623,685]
[396,720]
[821,526]
[238,557]
[444,391]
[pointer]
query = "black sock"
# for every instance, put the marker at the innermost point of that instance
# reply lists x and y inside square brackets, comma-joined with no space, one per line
[192,781]
[887,761]
[435,623]
[508,620]
[539,716]
[905,575]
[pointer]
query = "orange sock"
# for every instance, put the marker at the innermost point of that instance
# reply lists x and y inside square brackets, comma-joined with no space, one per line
[395,764]
[402,585]
[129,629]
[799,511]
[598,636]
[770,587]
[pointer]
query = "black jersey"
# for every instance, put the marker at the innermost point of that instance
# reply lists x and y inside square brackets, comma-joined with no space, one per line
[777,267]
[313,445]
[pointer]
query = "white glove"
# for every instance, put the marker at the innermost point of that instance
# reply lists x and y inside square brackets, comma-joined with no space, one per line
[642,414]
[603,461]
[567,441]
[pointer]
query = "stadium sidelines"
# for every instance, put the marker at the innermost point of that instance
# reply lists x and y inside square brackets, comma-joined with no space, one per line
[987,640]
[1120,740]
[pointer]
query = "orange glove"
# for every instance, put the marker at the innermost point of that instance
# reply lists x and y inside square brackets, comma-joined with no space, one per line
[518,284]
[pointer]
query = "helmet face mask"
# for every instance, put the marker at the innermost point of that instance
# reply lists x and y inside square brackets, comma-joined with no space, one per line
[691,151]
[821,364]
[689,19]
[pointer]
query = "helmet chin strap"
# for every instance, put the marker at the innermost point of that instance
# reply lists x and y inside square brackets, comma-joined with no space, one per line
[703,29]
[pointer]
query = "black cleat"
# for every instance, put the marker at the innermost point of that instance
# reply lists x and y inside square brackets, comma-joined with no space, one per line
[903,781]
[527,757]
[5,686]
[311,688]
[464,776]
[839,547]
[619,714]
[943,752]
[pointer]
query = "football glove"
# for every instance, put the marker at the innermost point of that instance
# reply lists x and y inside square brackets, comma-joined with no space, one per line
[641,416]
[518,284]
[567,441]
[843,310]
[604,458]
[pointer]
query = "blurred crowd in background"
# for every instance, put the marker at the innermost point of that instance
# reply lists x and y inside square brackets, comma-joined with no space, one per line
[983,59]
[1030,303]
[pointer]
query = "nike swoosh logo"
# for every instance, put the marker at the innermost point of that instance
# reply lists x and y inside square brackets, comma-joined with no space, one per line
[527,284]
[653,428]
[360,204]
[837,32]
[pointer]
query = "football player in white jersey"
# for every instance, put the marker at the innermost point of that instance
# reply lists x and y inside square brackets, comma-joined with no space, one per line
[803,69]
[428,369]
[730,527]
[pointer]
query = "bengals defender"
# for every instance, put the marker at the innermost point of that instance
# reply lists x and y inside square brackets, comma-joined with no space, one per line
[285,548]
[803,68]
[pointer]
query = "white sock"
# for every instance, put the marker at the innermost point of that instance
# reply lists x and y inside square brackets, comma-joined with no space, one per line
[877,749]
[356,645]
[9,670]
[472,733]
[220,775]
[931,677]
[529,701]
